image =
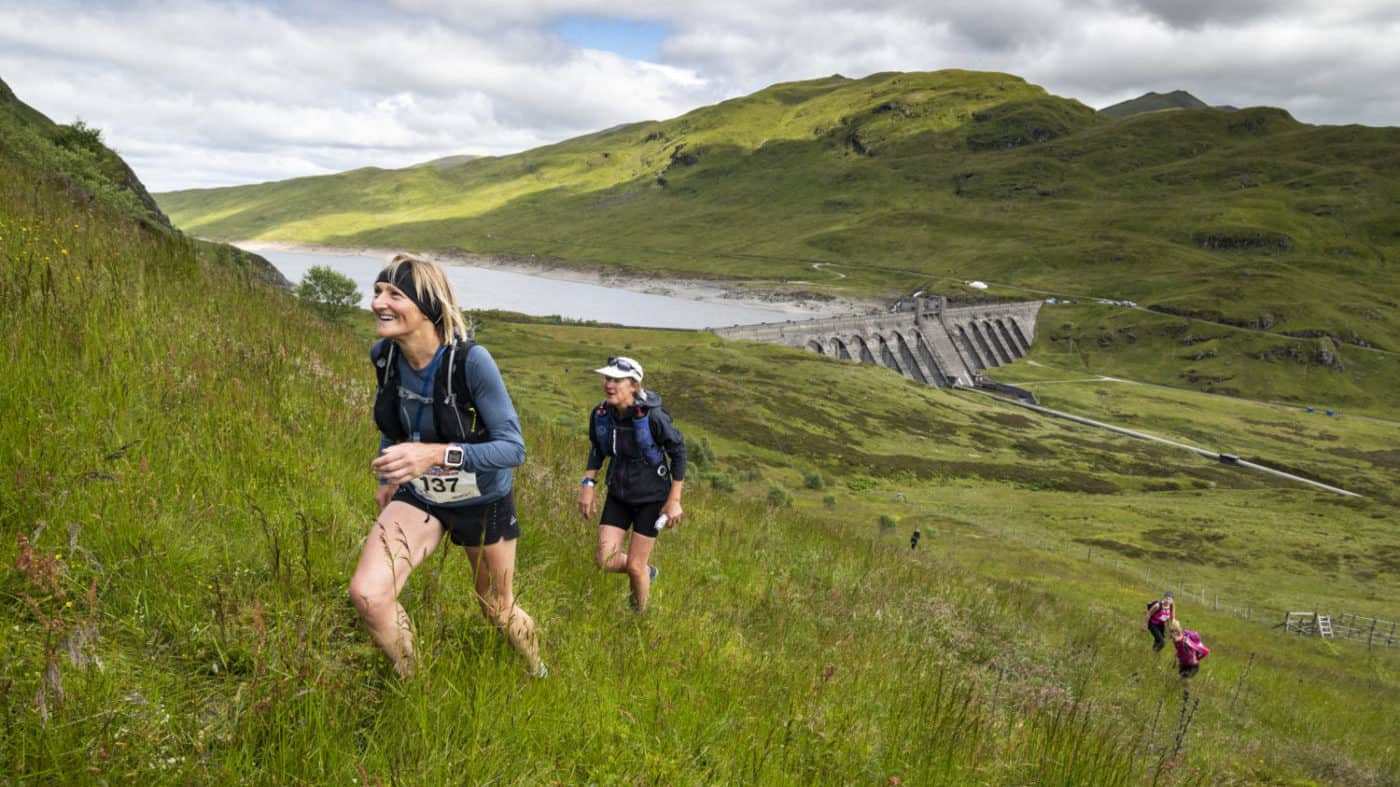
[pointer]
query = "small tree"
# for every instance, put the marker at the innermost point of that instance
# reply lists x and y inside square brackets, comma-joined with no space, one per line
[887,522]
[814,481]
[332,294]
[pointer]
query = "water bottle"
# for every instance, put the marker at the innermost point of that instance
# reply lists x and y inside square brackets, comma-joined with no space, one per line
[661,522]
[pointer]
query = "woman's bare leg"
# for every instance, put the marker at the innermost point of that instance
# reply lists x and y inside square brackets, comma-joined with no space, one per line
[402,537]
[638,572]
[610,556]
[494,568]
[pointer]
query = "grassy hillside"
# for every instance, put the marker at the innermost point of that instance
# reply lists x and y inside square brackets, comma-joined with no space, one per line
[74,157]
[186,479]
[915,181]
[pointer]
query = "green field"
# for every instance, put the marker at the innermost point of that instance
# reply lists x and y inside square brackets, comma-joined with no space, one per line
[186,489]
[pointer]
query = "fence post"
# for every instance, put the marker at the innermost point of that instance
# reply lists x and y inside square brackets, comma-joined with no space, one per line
[1247,610]
[1372,638]
[1217,601]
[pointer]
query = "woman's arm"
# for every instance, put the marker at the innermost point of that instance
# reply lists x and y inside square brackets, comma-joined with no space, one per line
[506,448]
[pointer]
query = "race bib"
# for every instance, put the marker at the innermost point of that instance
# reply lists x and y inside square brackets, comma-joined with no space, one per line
[446,485]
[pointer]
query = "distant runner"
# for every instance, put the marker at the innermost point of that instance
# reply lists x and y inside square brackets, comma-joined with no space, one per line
[1160,612]
[1189,649]
[646,471]
[449,438]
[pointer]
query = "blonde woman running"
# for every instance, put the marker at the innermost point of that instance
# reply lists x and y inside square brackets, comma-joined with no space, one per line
[449,438]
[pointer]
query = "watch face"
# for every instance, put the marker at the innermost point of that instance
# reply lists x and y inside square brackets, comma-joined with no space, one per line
[454,457]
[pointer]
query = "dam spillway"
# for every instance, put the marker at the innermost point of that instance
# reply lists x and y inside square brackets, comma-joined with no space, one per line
[927,341]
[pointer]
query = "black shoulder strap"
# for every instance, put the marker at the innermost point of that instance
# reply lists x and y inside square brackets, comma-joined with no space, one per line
[383,356]
[457,376]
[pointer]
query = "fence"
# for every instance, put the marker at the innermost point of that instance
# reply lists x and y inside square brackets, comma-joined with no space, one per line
[1375,632]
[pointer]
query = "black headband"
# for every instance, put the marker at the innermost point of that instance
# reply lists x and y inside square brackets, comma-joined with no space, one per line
[403,279]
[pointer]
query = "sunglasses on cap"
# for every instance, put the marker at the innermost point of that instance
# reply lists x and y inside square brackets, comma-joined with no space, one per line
[623,364]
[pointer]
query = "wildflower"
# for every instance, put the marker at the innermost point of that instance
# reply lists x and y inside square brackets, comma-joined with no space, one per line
[65,252]
[68,604]
[58,556]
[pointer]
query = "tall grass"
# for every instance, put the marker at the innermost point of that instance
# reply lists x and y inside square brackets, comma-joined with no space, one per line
[186,488]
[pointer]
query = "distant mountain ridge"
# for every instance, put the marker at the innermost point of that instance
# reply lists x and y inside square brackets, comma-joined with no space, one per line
[1152,102]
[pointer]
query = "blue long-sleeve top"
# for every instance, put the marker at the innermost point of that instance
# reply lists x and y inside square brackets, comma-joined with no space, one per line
[492,461]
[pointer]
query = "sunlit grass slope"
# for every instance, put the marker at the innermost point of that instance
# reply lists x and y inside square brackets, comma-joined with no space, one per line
[185,490]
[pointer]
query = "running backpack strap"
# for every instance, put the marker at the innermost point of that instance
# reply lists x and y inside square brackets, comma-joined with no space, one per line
[602,426]
[457,384]
[383,355]
[646,442]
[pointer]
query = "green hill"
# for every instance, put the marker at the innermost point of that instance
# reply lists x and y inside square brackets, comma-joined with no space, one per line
[74,156]
[900,182]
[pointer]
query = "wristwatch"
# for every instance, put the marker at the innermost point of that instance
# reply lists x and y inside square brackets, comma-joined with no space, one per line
[588,482]
[453,456]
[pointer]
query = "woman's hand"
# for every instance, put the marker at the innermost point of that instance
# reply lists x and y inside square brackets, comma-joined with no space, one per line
[401,463]
[587,500]
[383,494]
[672,511]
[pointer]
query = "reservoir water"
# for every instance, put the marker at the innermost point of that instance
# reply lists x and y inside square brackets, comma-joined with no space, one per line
[481,288]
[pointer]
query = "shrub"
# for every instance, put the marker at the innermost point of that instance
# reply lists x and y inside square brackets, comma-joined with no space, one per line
[814,481]
[698,451]
[860,483]
[332,294]
[829,501]
[722,482]
[887,522]
[778,497]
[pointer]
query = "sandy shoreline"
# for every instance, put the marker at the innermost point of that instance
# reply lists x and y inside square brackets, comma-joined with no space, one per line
[687,289]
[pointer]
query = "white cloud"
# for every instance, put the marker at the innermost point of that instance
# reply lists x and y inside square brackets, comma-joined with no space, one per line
[218,92]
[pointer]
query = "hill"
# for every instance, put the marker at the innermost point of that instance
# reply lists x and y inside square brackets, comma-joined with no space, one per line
[75,156]
[1153,102]
[896,182]
[186,490]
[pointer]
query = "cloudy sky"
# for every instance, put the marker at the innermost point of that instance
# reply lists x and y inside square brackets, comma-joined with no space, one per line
[202,93]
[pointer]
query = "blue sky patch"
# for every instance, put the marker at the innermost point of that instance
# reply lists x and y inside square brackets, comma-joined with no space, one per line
[631,38]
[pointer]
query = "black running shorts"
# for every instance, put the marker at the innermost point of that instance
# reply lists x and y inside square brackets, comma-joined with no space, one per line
[640,517]
[471,525]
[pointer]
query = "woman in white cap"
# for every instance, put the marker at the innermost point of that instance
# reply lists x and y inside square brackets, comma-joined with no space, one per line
[646,471]
[449,439]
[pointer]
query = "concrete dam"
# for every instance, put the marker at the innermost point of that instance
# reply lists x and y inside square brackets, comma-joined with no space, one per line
[923,339]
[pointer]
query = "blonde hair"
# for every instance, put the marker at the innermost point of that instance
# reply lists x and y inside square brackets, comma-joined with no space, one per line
[1175,627]
[431,285]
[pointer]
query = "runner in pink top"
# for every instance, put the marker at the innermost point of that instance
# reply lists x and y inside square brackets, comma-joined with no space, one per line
[1160,612]
[1189,649]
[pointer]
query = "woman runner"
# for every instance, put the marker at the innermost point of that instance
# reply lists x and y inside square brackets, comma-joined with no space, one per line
[646,471]
[449,438]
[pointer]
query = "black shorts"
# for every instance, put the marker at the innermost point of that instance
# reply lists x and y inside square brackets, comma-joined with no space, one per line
[473,525]
[1188,670]
[640,517]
